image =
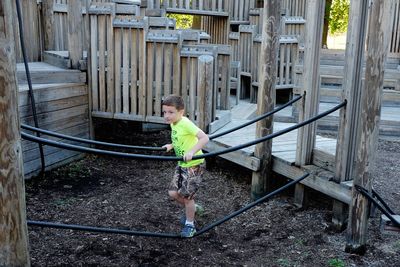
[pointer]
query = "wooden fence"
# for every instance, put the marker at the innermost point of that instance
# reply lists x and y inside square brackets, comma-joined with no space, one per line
[196,7]
[394,45]
[135,62]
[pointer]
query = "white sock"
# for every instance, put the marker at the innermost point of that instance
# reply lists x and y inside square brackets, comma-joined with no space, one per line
[191,223]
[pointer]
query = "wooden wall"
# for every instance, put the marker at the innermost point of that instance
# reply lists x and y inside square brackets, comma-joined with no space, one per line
[61,108]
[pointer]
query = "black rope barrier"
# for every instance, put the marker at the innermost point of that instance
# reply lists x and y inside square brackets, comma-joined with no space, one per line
[375,194]
[115,145]
[168,235]
[88,141]
[365,193]
[258,118]
[173,158]
[251,205]
[29,80]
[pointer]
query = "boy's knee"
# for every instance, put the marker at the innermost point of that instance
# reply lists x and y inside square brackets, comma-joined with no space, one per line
[173,194]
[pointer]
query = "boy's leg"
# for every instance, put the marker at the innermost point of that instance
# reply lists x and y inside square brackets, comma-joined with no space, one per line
[190,209]
[177,197]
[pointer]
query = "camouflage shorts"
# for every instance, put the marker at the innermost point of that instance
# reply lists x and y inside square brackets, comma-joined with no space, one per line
[186,181]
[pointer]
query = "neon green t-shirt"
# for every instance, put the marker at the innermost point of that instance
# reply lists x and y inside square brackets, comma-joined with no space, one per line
[184,137]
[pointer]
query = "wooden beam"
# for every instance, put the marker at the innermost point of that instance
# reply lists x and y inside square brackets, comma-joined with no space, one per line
[311,83]
[379,25]
[75,36]
[13,228]
[349,116]
[266,95]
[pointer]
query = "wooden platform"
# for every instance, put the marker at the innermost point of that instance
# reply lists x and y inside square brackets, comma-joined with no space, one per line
[284,148]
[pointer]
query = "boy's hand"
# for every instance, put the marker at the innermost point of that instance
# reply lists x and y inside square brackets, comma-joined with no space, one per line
[169,147]
[188,156]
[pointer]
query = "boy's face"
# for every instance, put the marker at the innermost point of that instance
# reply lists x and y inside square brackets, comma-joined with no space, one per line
[171,114]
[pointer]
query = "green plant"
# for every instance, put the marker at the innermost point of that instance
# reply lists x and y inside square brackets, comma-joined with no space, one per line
[283,262]
[182,21]
[339,16]
[336,263]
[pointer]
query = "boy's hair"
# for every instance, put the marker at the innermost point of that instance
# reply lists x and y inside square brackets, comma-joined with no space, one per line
[174,101]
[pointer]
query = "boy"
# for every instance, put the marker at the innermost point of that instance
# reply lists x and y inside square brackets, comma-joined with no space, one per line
[187,141]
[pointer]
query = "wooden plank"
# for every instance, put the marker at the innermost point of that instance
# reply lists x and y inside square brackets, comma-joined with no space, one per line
[168,64]
[159,65]
[110,65]
[193,75]
[117,69]
[150,73]
[102,65]
[134,70]
[142,73]
[45,107]
[238,157]
[51,92]
[125,70]
[93,63]
[75,34]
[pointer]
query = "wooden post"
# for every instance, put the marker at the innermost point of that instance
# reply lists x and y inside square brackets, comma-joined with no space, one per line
[266,94]
[311,84]
[48,24]
[379,28]
[349,116]
[75,38]
[13,228]
[205,93]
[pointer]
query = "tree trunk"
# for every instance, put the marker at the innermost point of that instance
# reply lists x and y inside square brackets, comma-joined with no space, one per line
[328,5]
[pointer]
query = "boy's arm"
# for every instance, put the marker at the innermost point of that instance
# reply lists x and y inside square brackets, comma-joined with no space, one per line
[202,140]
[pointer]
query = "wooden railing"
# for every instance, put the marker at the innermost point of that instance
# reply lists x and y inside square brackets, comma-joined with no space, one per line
[198,7]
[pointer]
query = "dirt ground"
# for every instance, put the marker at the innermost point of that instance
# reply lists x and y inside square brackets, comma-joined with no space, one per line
[131,194]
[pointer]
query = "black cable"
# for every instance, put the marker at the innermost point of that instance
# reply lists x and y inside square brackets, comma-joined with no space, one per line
[249,206]
[88,141]
[365,193]
[169,235]
[99,229]
[375,194]
[260,117]
[29,80]
[172,158]
[82,140]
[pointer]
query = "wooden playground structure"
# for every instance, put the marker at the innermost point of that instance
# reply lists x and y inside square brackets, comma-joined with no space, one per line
[110,59]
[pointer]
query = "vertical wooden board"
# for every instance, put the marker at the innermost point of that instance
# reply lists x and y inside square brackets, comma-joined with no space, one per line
[177,88]
[125,70]
[236,10]
[102,49]
[225,82]
[184,77]
[192,87]
[159,64]
[117,68]
[282,48]
[142,73]
[201,7]
[187,4]
[180,4]
[288,64]
[168,48]
[110,66]
[150,75]
[214,5]
[93,59]
[242,15]
[134,70]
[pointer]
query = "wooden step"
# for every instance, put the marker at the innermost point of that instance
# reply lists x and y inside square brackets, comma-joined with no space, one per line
[44,73]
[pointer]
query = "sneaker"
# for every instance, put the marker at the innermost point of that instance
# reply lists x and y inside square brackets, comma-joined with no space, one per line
[188,231]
